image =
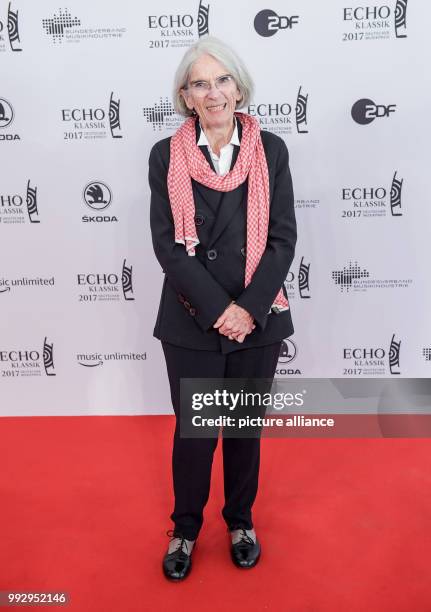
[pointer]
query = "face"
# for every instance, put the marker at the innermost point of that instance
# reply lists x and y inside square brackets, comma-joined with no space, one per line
[215,107]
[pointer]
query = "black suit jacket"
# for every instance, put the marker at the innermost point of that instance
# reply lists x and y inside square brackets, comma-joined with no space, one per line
[196,290]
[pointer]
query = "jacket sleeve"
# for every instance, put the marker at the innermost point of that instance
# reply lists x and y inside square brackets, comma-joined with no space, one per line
[268,278]
[186,273]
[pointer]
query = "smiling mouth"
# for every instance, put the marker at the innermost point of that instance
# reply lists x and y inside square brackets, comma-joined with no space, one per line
[213,109]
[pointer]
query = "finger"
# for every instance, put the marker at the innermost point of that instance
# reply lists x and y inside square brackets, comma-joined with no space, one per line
[238,331]
[223,318]
[220,321]
[225,329]
[224,333]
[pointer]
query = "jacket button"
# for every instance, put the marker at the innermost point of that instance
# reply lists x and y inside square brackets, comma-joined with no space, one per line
[187,305]
[199,220]
[192,311]
[181,298]
[243,251]
[212,254]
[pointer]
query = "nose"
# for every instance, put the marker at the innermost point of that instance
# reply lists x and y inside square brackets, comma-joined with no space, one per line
[213,92]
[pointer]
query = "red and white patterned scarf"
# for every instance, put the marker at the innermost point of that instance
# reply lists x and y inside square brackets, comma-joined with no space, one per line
[188,162]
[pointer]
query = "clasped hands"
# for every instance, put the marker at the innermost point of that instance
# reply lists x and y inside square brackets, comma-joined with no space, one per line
[235,323]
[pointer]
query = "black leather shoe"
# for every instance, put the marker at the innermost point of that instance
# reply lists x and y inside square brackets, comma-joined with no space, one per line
[177,564]
[245,553]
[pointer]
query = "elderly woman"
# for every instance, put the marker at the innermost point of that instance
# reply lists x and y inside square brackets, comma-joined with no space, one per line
[224,232]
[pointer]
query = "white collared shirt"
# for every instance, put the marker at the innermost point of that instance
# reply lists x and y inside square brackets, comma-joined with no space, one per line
[221,163]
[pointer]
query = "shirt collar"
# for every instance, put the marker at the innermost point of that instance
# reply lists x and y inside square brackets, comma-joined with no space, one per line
[203,140]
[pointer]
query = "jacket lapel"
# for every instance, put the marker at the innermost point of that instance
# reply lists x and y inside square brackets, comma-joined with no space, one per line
[230,200]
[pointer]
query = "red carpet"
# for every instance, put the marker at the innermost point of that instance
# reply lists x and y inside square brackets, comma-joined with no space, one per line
[85,503]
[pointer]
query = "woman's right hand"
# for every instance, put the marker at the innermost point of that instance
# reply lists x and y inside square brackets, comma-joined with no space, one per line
[240,336]
[235,323]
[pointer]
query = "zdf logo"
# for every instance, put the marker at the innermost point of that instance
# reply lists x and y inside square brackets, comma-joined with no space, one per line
[267,22]
[364,111]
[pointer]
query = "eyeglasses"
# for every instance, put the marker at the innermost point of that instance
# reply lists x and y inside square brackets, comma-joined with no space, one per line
[222,83]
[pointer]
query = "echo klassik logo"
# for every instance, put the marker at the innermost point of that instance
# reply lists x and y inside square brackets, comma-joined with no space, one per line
[106,286]
[298,284]
[162,115]
[288,354]
[281,117]
[178,29]
[267,22]
[25,361]
[92,122]
[9,30]
[7,116]
[373,201]
[353,277]
[62,26]
[98,196]
[20,207]
[379,21]
[365,111]
[373,361]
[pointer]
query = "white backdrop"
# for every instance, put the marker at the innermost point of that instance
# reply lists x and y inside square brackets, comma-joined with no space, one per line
[79,283]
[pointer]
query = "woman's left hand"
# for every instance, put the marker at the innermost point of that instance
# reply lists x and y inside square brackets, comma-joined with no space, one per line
[235,323]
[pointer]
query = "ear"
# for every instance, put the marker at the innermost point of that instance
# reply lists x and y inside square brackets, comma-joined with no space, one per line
[187,98]
[239,99]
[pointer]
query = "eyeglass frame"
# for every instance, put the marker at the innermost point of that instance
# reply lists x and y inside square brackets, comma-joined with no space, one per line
[204,90]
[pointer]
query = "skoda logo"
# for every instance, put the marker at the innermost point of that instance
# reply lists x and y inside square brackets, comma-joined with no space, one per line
[97,195]
[288,351]
[6,113]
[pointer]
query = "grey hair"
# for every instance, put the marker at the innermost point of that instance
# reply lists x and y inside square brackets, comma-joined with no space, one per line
[226,56]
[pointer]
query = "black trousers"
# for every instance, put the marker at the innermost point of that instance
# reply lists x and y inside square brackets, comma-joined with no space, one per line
[192,457]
